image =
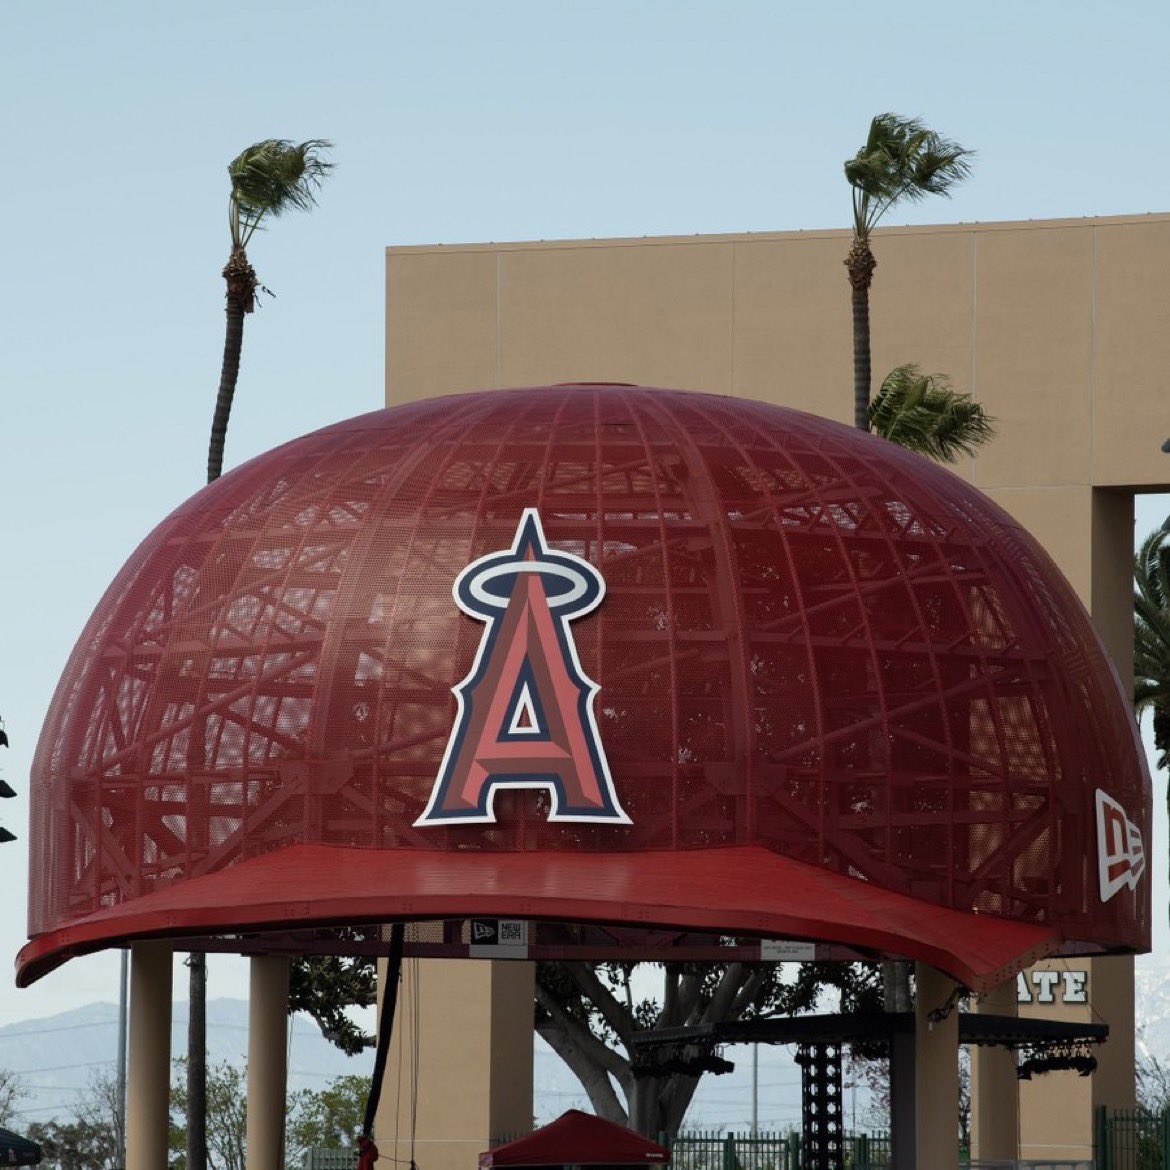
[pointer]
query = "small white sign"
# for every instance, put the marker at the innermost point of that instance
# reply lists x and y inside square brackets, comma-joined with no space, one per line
[782,950]
[498,938]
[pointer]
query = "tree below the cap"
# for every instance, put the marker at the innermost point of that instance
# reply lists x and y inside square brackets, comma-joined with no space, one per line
[589,1016]
[13,1090]
[324,986]
[227,1112]
[330,1117]
[902,161]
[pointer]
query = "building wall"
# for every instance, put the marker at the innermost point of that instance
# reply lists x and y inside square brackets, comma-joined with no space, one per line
[1060,328]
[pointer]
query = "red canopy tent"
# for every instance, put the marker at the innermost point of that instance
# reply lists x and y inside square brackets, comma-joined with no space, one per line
[577,1139]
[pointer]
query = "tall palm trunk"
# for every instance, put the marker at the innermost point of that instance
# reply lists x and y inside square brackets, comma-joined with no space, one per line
[241,298]
[860,264]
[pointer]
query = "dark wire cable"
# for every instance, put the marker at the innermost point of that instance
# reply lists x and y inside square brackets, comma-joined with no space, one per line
[385,1023]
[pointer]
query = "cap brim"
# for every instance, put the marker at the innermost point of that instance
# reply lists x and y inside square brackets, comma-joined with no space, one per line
[739,890]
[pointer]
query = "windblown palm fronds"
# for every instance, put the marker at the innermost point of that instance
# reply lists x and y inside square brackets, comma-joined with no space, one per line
[1151,651]
[901,160]
[267,179]
[923,413]
[272,177]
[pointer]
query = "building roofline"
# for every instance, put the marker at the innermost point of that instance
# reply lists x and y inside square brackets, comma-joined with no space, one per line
[799,234]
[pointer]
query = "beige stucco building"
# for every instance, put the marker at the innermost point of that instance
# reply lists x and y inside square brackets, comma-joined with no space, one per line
[1059,327]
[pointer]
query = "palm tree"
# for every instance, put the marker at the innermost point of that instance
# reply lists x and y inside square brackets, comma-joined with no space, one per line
[901,160]
[922,412]
[268,179]
[1151,650]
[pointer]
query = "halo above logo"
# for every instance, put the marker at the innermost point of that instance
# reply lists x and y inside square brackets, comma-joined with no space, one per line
[525,710]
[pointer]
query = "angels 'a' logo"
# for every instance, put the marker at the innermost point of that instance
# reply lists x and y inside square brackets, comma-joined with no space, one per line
[525,712]
[1121,856]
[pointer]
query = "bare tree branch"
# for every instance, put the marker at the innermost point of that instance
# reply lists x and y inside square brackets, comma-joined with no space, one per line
[668,1017]
[756,980]
[12,1091]
[725,993]
[690,998]
[592,1048]
[594,1081]
[602,999]
[678,1099]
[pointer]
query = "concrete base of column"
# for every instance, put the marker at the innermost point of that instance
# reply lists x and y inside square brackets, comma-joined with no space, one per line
[936,1067]
[471,1023]
[995,1090]
[148,1091]
[267,1061]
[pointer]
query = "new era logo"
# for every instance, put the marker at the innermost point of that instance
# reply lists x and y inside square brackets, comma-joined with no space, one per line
[1121,856]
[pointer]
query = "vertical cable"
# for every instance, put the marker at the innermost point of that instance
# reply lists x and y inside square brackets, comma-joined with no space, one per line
[385,1023]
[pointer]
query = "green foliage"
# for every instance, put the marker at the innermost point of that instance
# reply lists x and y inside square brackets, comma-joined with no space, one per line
[923,413]
[227,1116]
[328,1117]
[75,1145]
[588,1014]
[324,986]
[91,1140]
[858,985]
[902,159]
[271,177]
[1151,658]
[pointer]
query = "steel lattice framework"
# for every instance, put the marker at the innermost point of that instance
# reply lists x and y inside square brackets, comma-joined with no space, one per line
[812,641]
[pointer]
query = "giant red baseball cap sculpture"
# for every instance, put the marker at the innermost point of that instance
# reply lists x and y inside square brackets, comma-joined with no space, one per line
[600,654]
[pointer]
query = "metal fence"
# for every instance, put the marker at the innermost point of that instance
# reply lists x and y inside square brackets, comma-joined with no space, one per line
[716,1150]
[1132,1139]
[330,1158]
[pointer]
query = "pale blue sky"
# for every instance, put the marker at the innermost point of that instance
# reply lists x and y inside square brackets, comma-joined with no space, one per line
[452,122]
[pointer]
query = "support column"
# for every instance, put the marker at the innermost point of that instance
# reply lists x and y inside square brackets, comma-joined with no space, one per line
[470,1022]
[822,1125]
[902,1112]
[148,1095]
[995,1090]
[267,1061]
[1089,533]
[936,1069]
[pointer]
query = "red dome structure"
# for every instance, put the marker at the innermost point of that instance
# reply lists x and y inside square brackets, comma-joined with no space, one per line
[842,695]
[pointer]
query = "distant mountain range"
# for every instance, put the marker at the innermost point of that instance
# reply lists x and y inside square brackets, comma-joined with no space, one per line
[56,1057]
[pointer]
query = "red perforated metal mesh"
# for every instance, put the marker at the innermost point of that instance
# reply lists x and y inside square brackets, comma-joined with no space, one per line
[811,641]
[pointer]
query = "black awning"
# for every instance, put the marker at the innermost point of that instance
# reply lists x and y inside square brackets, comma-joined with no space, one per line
[842,1028]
